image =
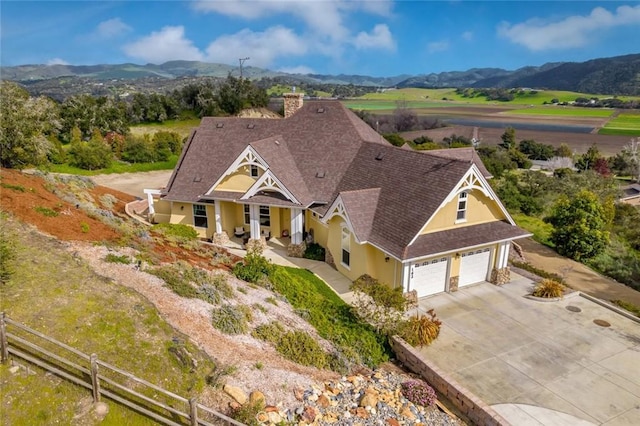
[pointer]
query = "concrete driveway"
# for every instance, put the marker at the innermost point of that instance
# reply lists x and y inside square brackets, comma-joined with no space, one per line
[539,362]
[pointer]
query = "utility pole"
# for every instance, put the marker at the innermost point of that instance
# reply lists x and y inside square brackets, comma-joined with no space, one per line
[241,60]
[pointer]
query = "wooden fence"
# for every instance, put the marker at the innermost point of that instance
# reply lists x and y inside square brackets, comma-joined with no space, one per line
[104,379]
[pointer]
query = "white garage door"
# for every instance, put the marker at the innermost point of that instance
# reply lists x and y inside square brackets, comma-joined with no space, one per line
[429,276]
[474,266]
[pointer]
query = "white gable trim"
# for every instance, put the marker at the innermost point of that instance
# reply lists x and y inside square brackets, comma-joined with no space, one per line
[338,209]
[248,157]
[268,181]
[472,179]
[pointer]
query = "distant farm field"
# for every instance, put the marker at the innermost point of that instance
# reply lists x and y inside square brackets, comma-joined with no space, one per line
[564,111]
[449,95]
[627,124]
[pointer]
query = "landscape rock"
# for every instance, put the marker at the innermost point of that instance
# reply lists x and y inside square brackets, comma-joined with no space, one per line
[236,393]
[256,397]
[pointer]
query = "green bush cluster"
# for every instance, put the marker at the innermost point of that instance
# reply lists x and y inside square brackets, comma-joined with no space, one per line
[314,251]
[253,268]
[230,319]
[45,211]
[188,281]
[114,258]
[296,346]
[176,230]
[539,272]
[381,293]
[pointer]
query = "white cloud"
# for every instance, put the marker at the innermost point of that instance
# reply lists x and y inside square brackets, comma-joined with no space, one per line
[262,47]
[574,31]
[167,44]
[57,61]
[438,46]
[322,17]
[380,37]
[112,28]
[467,35]
[300,69]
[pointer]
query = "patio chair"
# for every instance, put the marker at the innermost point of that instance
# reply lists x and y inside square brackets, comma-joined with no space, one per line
[239,231]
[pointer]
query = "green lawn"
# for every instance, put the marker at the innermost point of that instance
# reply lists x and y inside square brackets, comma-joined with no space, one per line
[541,231]
[57,294]
[564,111]
[624,124]
[116,167]
[182,127]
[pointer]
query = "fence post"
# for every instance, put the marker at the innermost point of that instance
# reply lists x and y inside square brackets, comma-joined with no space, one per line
[193,411]
[4,344]
[95,383]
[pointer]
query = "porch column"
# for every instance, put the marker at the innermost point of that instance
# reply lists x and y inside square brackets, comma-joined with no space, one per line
[254,221]
[503,255]
[150,193]
[216,204]
[296,226]
[406,276]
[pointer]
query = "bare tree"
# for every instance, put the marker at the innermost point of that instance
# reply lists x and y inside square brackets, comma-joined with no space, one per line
[632,149]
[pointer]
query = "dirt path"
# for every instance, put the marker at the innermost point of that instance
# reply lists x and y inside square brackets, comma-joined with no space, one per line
[134,183]
[577,275]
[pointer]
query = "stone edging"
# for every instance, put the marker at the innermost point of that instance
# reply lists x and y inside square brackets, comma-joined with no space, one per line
[610,307]
[469,404]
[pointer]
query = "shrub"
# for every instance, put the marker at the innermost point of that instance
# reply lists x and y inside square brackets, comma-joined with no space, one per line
[271,332]
[174,278]
[114,258]
[253,268]
[378,304]
[176,230]
[248,412]
[419,393]
[314,251]
[548,288]
[539,272]
[299,347]
[230,320]
[420,330]
[45,211]
[18,188]
[84,227]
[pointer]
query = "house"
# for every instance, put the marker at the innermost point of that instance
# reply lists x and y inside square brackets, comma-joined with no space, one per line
[630,193]
[426,221]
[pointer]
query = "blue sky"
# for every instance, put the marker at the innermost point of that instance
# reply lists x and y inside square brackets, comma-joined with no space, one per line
[376,37]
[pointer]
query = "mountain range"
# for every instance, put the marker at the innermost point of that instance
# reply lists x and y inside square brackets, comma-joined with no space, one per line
[618,75]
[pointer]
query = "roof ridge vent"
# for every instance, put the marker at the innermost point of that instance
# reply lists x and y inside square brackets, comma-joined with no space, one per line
[251,126]
[320,110]
[219,125]
[380,156]
[320,174]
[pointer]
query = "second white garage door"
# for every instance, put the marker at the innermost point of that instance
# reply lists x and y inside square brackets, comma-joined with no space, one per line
[474,266]
[429,276]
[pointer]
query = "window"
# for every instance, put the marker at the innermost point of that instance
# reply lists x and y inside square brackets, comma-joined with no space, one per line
[200,215]
[346,243]
[254,171]
[265,217]
[462,207]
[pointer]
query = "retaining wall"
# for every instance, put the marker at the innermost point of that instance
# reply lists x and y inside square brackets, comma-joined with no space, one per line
[469,405]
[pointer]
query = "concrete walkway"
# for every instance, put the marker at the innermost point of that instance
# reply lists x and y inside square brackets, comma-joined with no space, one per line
[539,363]
[277,253]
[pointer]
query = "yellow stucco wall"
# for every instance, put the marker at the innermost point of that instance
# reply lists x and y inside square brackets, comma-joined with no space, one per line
[480,209]
[163,211]
[320,230]
[364,258]
[240,181]
[182,213]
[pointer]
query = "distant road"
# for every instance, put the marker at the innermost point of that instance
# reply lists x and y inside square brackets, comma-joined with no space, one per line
[134,183]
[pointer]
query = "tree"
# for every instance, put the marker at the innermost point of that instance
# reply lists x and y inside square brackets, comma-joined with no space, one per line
[580,226]
[632,150]
[405,119]
[508,138]
[564,151]
[25,124]
[587,160]
[395,139]
[92,155]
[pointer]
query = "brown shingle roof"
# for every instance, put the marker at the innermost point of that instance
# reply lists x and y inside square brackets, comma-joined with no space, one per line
[462,238]
[325,150]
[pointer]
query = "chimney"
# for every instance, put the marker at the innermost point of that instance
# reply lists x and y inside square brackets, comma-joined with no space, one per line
[292,103]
